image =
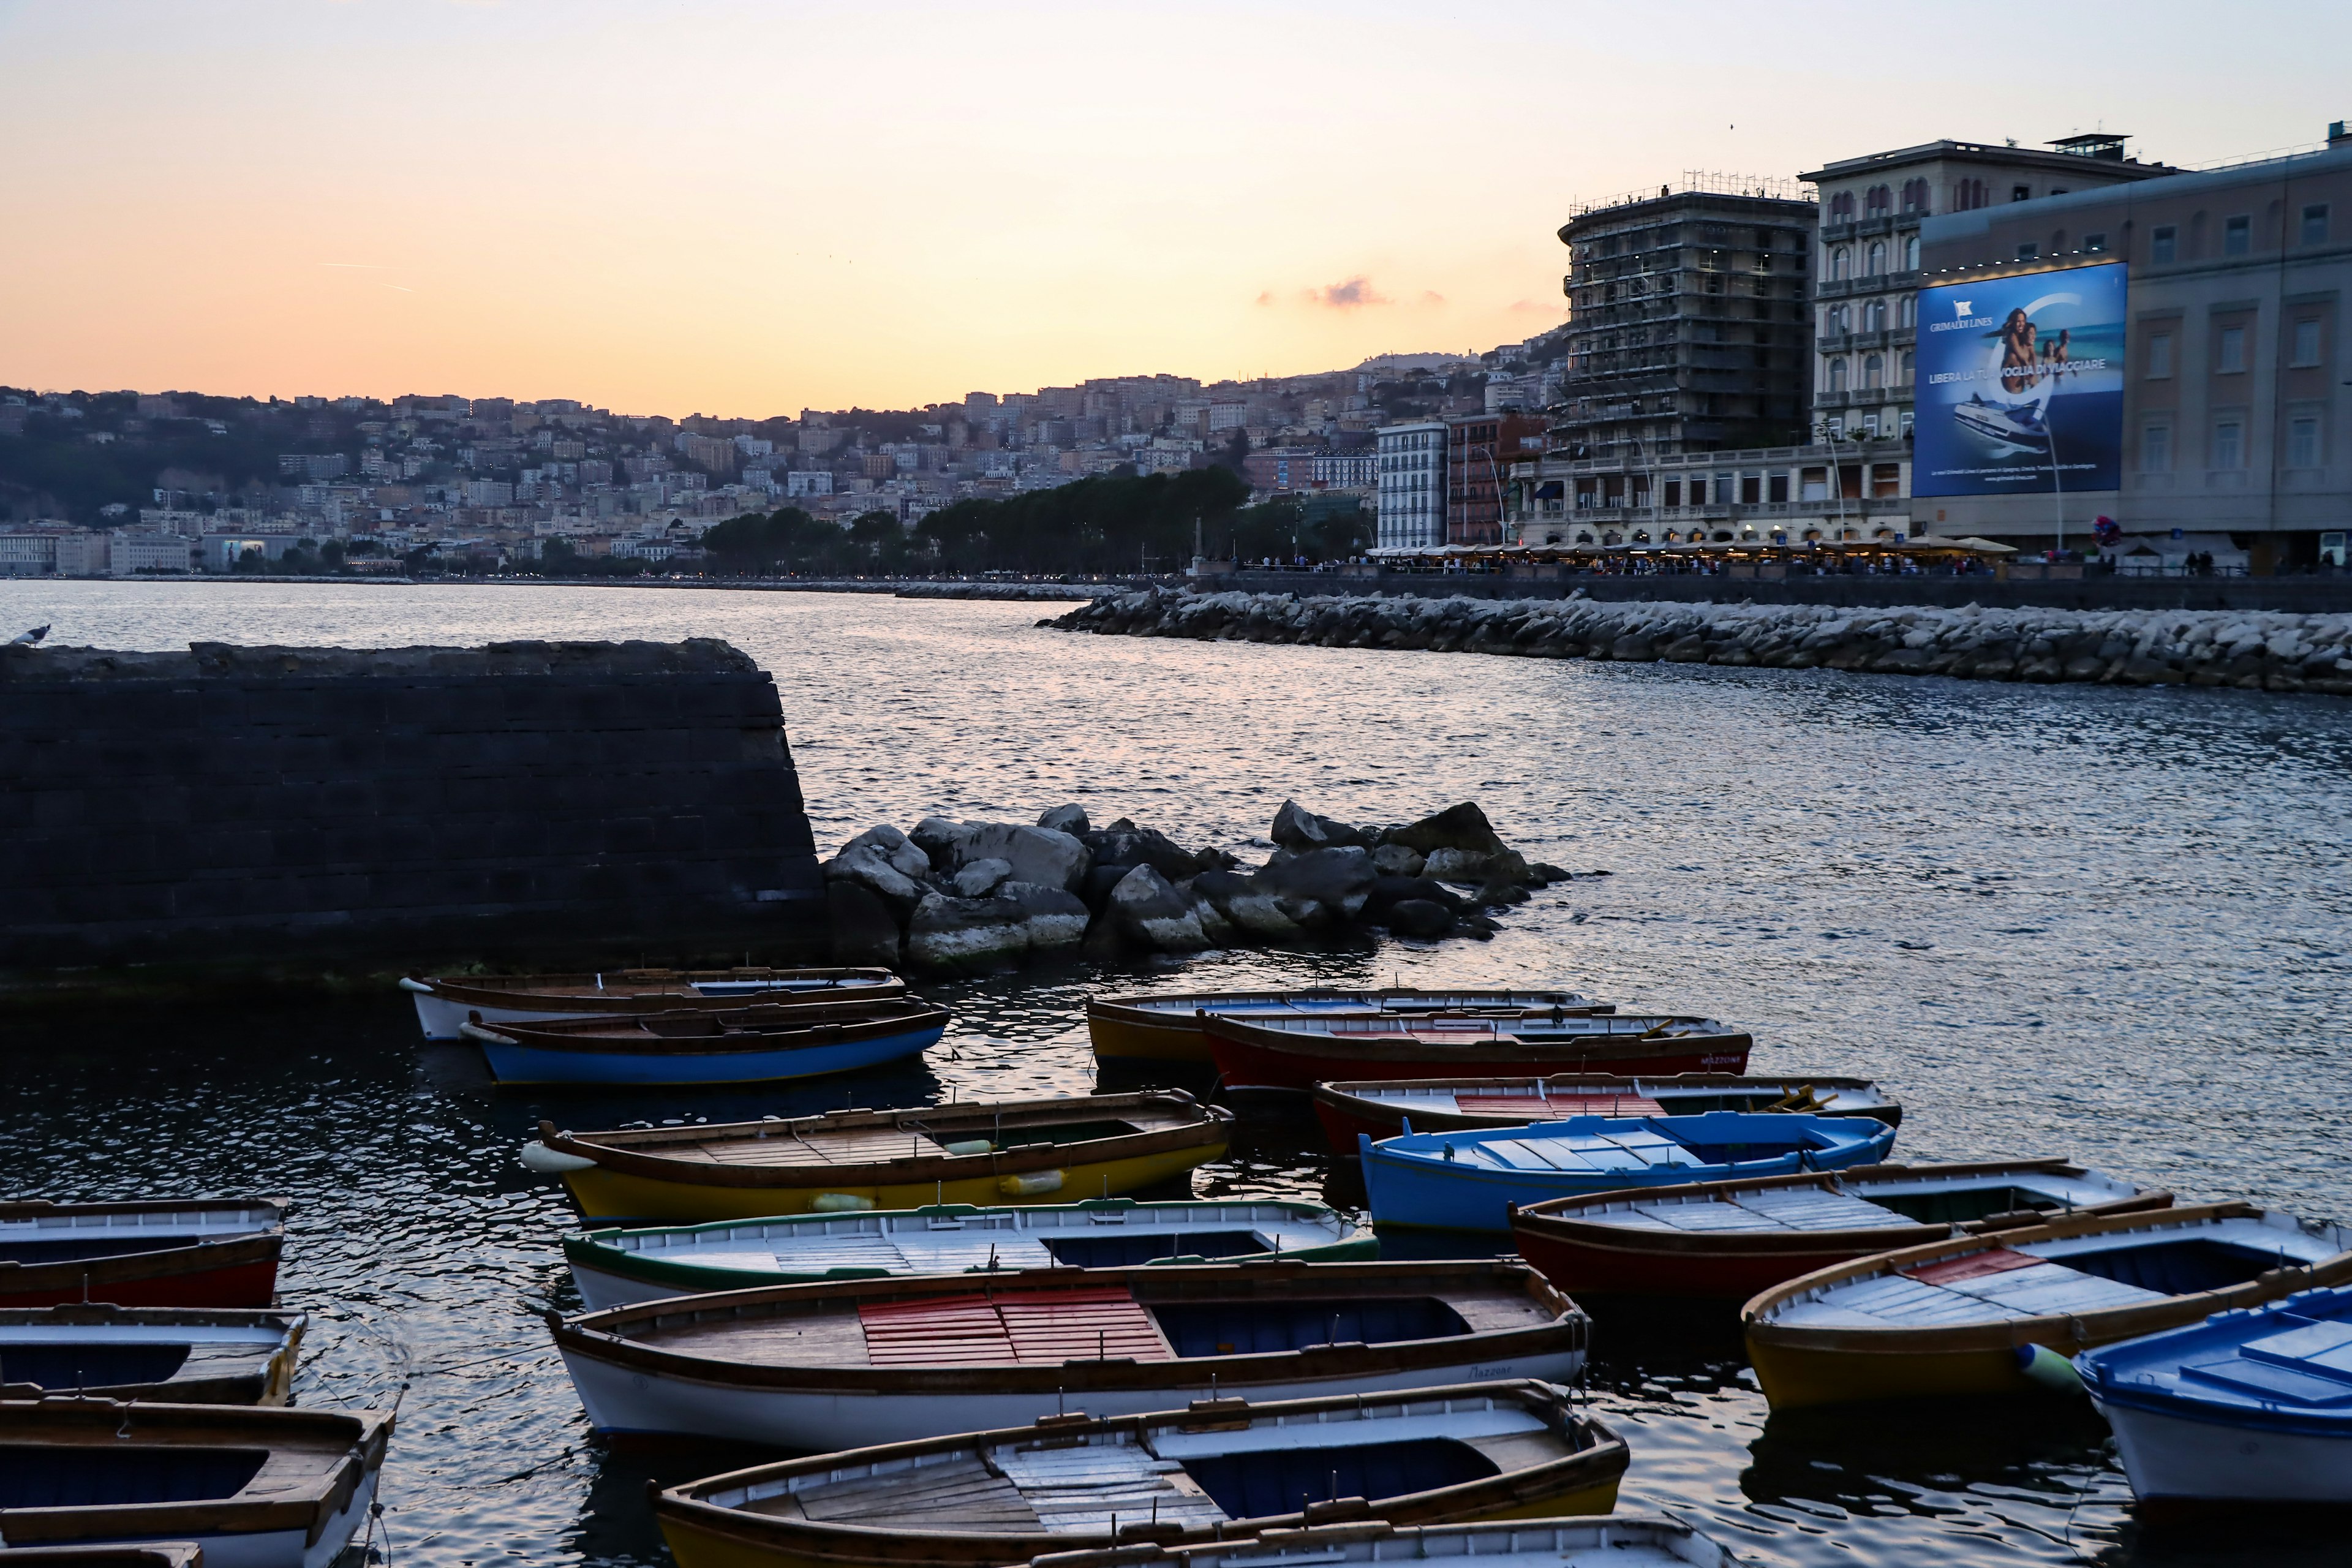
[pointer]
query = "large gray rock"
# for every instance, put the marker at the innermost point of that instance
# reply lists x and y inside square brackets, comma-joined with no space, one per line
[936,837]
[1069,819]
[1055,920]
[1038,855]
[861,930]
[1475,869]
[867,867]
[1420,917]
[1462,826]
[1124,844]
[1322,885]
[1151,913]
[1296,827]
[1245,905]
[979,880]
[1397,861]
[905,857]
[966,934]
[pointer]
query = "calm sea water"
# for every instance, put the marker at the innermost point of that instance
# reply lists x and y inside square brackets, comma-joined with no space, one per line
[2067,921]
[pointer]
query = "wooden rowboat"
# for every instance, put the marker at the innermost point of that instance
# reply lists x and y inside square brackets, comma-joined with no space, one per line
[1471,1181]
[1217,1470]
[1166,1028]
[1963,1315]
[189,1252]
[255,1488]
[1296,1054]
[765,1044]
[856,1361]
[1378,1109]
[983,1152]
[615,1267]
[178,1355]
[2243,1408]
[146,1554]
[445,1003]
[1611,1540]
[1727,1240]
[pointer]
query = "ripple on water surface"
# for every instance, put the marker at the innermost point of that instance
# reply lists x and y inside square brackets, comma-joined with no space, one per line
[2073,921]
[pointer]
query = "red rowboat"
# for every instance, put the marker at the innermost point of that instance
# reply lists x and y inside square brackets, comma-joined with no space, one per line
[1727,1241]
[1299,1053]
[193,1252]
[1384,1109]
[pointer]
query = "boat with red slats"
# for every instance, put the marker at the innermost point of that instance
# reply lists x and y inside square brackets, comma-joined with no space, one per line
[1298,1053]
[190,1252]
[1383,1110]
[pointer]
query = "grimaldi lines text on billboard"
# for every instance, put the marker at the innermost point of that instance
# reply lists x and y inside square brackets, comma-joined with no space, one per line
[2021,384]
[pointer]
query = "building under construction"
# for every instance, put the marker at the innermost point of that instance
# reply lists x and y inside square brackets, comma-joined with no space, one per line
[1689,326]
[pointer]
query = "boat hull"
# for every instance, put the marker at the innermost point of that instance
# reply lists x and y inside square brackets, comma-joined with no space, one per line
[695,1544]
[444,1007]
[2171,1457]
[606,1197]
[189,1276]
[1583,1268]
[651,1406]
[1345,1117]
[1256,1064]
[1126,1037]
[512,1062]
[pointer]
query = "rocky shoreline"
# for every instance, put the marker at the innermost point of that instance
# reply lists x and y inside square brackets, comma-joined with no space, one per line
[2256,650]
[964,896]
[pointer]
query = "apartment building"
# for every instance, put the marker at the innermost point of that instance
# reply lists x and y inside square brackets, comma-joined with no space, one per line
[1867,261]
[1480,449]
[1411,505]
[1688,327]
[2231,417]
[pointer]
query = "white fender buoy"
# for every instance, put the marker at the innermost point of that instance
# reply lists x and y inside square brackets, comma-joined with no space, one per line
[1030,1185]
[839,1203]
[538,1156]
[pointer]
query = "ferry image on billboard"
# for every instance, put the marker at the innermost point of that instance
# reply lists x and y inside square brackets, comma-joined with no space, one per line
[2019,384]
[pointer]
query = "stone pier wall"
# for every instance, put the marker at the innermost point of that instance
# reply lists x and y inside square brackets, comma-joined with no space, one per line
[544,802]
[2259,650]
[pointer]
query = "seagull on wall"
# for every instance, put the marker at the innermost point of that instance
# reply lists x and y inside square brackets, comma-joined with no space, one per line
[26,639]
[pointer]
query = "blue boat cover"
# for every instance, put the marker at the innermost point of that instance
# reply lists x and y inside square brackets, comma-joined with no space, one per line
[2285,1365]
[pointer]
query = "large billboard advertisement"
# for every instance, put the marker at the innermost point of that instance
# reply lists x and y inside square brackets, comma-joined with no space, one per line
[2019,384]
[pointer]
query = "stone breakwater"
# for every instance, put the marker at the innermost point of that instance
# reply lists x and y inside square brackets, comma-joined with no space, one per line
[949,896]
[2258,650]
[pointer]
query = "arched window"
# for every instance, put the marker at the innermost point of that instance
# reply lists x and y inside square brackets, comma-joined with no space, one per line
[1837,375]
[1877,257]
[1911,253]
[1873,372]
[1841,263]
[1874,316]
[1908,372]
[1841,207]
[1910,313]
[1915,196]
[1877,201]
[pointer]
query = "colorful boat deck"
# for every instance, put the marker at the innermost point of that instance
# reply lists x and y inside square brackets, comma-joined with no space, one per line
[1023,1328]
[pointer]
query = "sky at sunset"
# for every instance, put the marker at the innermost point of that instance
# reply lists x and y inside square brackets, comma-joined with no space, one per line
[744,209]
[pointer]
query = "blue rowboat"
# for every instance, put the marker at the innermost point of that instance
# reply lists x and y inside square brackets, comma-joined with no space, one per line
[2248,1407]
[1471,1181]
[746,1045]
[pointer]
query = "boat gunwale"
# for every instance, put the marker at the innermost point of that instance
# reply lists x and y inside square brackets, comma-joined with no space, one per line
[1268,1035]
[366,1434]
[596,1334]
[1310,1047]
[553,993]
[575,1036]
[1602,1451]
[1206,1125]
[2099,1326]
[1553,1220]
[106,1554]
[593,1248]
[194,1255]
[1150,1008]
[1350,1096]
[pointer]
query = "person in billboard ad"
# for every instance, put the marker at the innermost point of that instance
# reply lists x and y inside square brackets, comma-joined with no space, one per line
[2019,384]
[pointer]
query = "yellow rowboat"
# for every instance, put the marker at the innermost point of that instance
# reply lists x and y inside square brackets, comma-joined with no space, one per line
[2002,1312]
[984,1152]
[1167,1029]
[1222,1469]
